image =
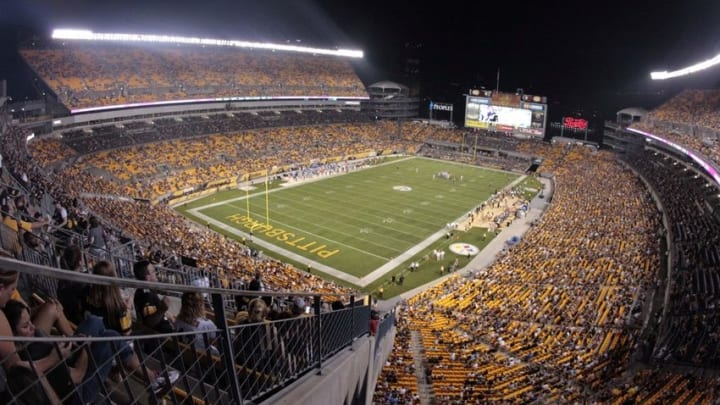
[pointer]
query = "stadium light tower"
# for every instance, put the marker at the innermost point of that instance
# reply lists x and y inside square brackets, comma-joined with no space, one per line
[87,35]
[686,70]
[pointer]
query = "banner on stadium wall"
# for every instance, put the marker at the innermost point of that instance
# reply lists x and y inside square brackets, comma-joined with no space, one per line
[361,155]
[219,182]
[332,159]
[190,196]
[257,174]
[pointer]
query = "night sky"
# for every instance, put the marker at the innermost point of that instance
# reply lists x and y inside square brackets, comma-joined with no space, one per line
[585,56]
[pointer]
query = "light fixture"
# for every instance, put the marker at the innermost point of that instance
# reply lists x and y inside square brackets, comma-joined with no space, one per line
[87,35]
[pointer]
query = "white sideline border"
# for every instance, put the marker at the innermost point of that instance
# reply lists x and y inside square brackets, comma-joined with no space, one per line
[361,282]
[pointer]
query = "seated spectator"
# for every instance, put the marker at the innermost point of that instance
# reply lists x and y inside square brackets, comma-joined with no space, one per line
[107,302]
[191,318]
[8,354]
[28,387]
[70,292]
[79,370]
[151,311]
[259,345]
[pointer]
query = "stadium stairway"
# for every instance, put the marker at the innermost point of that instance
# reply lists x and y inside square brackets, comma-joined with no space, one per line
[425,391]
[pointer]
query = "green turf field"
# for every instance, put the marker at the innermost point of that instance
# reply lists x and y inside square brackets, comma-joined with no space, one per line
[359,221]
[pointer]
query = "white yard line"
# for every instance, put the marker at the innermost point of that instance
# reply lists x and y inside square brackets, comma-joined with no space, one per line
[492,169]
[389,266]
[275,248]
[299,183]
[363,281]
[285,224]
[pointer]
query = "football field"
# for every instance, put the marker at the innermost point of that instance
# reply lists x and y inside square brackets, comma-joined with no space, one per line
[355,222]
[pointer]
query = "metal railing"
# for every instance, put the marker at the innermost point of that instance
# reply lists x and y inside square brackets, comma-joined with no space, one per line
[386,324]
[228,363]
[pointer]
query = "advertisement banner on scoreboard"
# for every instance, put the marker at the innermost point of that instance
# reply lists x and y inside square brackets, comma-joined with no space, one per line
[476,124]
[506,99]
[531,131]
[472,113]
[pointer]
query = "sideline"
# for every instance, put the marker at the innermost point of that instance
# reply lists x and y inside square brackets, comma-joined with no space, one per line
[391,264]
[489,254]
[285,186]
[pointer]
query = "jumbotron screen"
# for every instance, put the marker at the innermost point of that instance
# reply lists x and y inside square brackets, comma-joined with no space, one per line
[506,112]
[498,116]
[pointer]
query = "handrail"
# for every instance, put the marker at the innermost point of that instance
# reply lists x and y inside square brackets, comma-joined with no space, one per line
[34,269]
[237,364]
[58,339]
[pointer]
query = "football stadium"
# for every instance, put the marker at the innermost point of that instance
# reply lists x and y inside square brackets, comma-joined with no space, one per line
[194,219]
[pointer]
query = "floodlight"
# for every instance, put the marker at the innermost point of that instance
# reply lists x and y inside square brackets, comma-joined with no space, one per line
[87,35]
[687,70]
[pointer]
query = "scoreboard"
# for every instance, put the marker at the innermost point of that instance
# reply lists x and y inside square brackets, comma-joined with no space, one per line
[506,112]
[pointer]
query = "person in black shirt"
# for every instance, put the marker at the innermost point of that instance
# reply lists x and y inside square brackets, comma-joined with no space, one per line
[151,311]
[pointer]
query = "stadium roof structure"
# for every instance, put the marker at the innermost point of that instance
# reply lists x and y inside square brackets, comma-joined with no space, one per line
[633,111]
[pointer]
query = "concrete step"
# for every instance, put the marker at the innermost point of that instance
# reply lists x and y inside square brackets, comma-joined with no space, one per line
[425,391]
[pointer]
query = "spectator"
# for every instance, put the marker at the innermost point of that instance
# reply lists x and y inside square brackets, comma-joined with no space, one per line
[191,318]
[96,238]
[70,293]
[80,370]
[374,322]
[151,311]
[107,302]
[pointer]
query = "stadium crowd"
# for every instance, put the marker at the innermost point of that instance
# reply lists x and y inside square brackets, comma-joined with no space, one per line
[155,170]
[694,301]
[152,225]
[160,129]
[176,160]
[553,318]
[41,306]
[93,75]
[694,107]
[689,119]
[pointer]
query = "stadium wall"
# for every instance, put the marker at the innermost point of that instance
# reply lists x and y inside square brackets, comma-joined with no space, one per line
[668,240]
[166,110]
[349,377]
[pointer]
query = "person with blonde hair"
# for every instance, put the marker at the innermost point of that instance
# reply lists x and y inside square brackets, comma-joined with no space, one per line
[191,318]
[107,302]
[258,344]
